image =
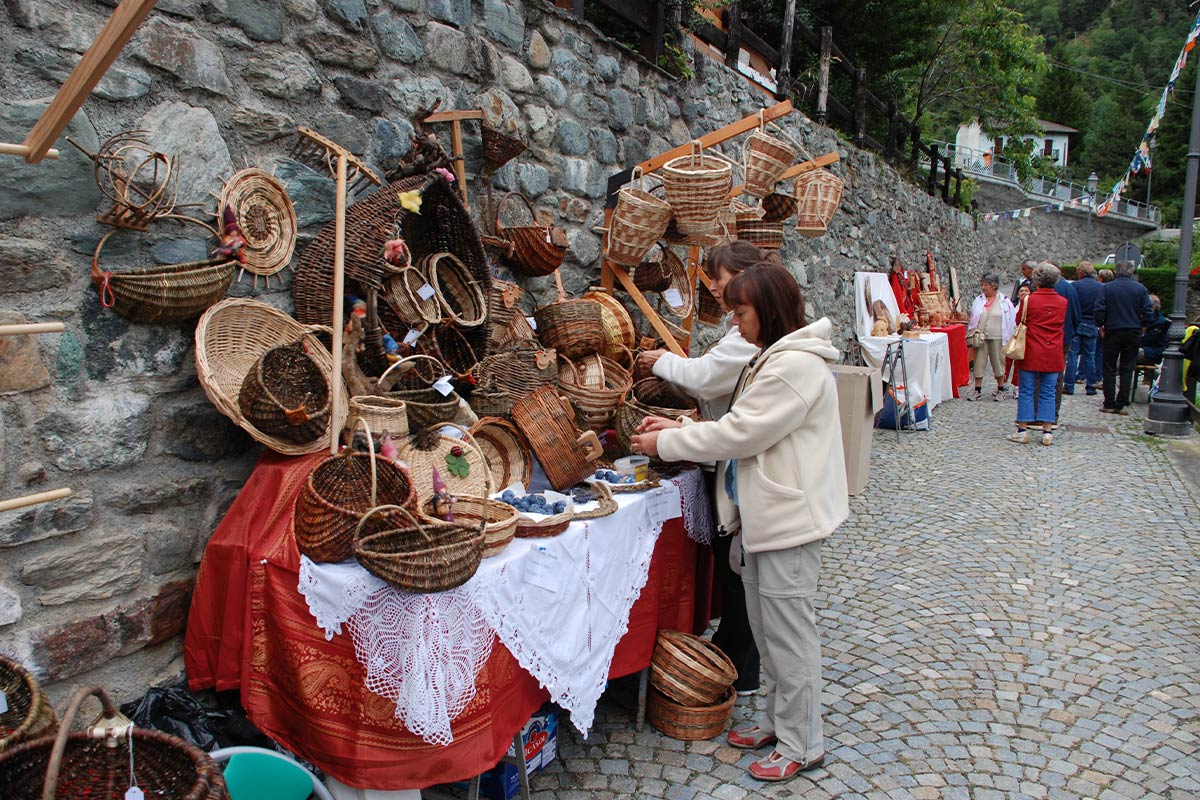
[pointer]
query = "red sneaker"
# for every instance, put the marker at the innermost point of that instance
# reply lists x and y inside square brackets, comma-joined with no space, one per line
[779,768]
[750,738]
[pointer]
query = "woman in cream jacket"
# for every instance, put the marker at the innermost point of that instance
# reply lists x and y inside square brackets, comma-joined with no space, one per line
[786,491]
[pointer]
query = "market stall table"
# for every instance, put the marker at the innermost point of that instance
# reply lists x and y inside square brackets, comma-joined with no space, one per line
[251,629]
[960,360]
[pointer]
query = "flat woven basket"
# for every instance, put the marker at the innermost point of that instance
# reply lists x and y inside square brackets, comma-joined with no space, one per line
[639,220]
[517,369]
[266,217]
[29,713]
[554,524]
[574,328]
[818,194]
[230,338]
[764,159]
[697,186]
[499,520]
[690,670]
[417,554]
[286,394]
[596,387]
[534,250]
[401,294]
[430,448]
[424,405]
[547,421]
[506,451]
[686,723]
[461,298]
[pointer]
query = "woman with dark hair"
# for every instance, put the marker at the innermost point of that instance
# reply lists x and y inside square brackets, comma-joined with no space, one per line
[785,489]
[711,379]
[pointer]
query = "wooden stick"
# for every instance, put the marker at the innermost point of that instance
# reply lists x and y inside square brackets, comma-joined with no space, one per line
[23,150]
[720,135]
[32,327]
[34,499]
[456,148]
[451,116]
[87,73]
[651,315]
[793,171]
[339,299]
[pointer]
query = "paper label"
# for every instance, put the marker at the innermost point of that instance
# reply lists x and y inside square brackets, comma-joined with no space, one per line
[412,335]
[3,702]
[673,297]
[451,431]
[134,793]
[532,322]
[425,292]
[443,386]
[545,568]
[662,505]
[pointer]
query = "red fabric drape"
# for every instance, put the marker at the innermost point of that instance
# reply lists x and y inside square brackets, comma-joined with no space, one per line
[960,361]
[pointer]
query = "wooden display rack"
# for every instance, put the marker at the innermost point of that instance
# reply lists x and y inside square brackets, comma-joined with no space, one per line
[612,273]
[455,118]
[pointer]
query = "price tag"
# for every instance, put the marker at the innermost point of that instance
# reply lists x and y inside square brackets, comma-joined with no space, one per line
[425,292]
[673,297]
[532,322]
[443,385]
[545,569]
[3,702]
[412,335]
[662,505]
[134,793]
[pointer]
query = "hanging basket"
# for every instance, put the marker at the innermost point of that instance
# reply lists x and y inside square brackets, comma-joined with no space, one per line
[639,220]
[499,148]
[425,405]
[506,451]
[517,369]
[708,308]
[286,394]
[533,250]
[777,207]
[682,300]
[764,159]
[499,520]
[418,555]
[95,763]
[30,714]
[575,328]
[546,419]
[266,217]
[653,273]
[697,187]
[686,723]
[818,194]
[402,293]
[763,235]
[431,448]
[596,387]
[690,670]
[171,293]
[460,298]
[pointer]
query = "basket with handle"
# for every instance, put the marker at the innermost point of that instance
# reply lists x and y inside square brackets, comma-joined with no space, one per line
[518,368]
[751,227]
[682,300]
[639,220]
[286,394]
[574,328]
[452,346]
[818,194]
[620,335]
[697,187]
[499,520]
[498,148]
[95,763]
[339,491]
[534,249]
[596,386]
[506,321]
[689,723]
[29,714]
[431,448]
[651,397]
[384,415]
[653,274]
[461,299]
[425,405]
[505,449]
[554,524]
[690,670]
[764,159]
[401,294]
[488,402]
[708,308]
[546,419]
[418,554]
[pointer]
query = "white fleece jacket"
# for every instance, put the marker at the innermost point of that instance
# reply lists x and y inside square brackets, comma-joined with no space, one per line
[710,378]
[784,431]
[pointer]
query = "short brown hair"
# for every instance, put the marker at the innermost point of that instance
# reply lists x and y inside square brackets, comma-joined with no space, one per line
[736,256]
[775,296]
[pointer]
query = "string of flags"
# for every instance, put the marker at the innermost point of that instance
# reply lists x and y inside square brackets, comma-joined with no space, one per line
[1141,157]
[1048,208]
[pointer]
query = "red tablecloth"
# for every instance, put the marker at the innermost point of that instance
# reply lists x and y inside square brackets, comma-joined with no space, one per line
[960,361]
[250,629]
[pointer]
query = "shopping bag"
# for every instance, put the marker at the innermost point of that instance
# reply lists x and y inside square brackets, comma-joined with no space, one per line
[894,399]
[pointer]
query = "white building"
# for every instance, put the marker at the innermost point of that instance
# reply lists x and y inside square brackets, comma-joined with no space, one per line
[1053,142]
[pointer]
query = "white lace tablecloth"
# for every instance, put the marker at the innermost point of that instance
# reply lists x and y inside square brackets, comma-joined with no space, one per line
[560,605]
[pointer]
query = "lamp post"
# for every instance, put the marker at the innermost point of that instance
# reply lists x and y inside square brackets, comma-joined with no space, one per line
[1168,414]
[1092,182]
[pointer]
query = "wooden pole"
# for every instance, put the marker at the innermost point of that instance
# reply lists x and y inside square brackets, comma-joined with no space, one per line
[32,327]
[34,499]
[651,315]
[823,76]
[783,76]
[23,150]
[459,168]
[339,301]
[860,106]
[733,34]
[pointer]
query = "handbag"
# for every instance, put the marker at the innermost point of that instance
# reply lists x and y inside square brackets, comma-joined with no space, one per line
[1015,349]
[977,338]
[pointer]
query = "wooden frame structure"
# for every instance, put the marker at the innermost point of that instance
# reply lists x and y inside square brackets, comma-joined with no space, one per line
[612,273]
[455,118]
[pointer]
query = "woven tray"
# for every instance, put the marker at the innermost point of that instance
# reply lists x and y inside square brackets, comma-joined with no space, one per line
[266,217]
[429,448]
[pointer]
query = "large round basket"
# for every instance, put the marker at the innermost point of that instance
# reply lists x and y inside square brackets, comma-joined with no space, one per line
[96,763]
[499,520]
[505,450]
[818,194]
[286,394]
[461,298]
[546,419]
[689,724]
[690,670]
[425,405]
[419,555]
[639,220]
[431,449]
[534,249]
[517,369]
[29,713]
[697,187]
[620,335]
[765,158]
[574,328]
[596,387]
[406,293]
[230,338]
[266,217]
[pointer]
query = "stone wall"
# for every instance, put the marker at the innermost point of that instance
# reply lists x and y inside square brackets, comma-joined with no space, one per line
[95,588]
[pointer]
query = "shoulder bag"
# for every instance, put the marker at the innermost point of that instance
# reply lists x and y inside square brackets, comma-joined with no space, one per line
[1015,349]
[977,338]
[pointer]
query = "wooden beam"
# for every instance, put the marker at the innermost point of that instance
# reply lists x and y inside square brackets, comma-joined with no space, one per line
[87,73]
[718,136]
[733,37]
[25,329]
[451,116]
[34,499]
[648,311]
[798,169]
[23,150]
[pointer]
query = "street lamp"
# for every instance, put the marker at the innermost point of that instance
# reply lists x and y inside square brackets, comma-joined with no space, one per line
[1092,182]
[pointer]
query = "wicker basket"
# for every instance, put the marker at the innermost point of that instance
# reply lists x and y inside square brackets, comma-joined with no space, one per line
[544,528]
[620,335]
[596,387]
[697,187]
[680,280]
[461,299]
[430,448]
[401,293]
[338,492]
[575,328]
[690,670]
[29,713]
[286,394]
[96,763]
[425,406]
[491,403]
[506,451]
[499,148]
[533,250]
[266,217]
[384,415]
[639,220]
[506,321]
[171,293]
[818,194]
[452,346]
[777,207]
[499,520]
[649,397]
[546,420]
[418,555]
[708,308]
[689,724]
[518,369]
[230,338]
[764,159]
[763,235]
[653,274]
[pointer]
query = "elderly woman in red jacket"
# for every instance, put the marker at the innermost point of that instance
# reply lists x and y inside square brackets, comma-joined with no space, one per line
[1043,313]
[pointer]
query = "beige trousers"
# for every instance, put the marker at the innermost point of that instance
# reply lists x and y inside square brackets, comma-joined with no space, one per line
[780,586]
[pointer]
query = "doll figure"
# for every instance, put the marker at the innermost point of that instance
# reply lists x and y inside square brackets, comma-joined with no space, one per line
[443,501]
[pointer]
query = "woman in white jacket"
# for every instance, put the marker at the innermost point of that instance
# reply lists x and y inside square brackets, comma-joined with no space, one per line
[711,379]
[786,490]
[992,322]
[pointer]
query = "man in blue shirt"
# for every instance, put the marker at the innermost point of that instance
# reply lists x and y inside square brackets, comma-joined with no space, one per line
[1070,325]
[1122,313]
[1082,356]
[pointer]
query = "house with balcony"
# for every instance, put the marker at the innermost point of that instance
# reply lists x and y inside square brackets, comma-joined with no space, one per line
[1053,142]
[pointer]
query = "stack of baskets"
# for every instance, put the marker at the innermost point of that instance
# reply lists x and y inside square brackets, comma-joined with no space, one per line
[639,220]
[691,695]
[596,387]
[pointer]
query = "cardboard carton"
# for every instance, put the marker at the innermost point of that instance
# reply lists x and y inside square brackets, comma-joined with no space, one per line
[540,736]
[860,397]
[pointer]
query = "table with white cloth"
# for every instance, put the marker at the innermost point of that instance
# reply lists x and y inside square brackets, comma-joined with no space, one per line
[927,359]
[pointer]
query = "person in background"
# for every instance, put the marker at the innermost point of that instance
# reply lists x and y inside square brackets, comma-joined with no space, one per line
[1123,311]
[711,379]
[1154,340]
[1042,314]
[786,488]
[1012,369]
[1105,276]
[1025,281]
[991,325]
[1070,323]
[1081,359]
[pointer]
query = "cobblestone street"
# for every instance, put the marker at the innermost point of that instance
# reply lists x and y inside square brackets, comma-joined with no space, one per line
[998,620]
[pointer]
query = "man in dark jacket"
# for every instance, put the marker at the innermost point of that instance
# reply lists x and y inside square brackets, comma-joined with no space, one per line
[1026,279]
[1122,312]
[1070,324]
[1154,340]
[1084,342]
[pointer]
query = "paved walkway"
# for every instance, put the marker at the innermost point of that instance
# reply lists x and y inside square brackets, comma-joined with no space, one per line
[998,621]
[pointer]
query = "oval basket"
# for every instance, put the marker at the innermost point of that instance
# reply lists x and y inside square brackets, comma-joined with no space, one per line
[649,397]
[517,369]
[430,448]
[499,520]
[505,450]
[639,220]
[400,293]
[230,338]
[418,555]
[547,421]
[690,670]
[29,713]
[534,250]
[818,194]
[620,335]
[574,328]
[266,217]
[461,299]
[764,159]
[425,406]
[689,724]
[697,187]
[596,387]
[286,394]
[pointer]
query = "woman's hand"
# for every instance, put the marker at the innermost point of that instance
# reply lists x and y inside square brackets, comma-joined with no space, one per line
[648,358]
[646,444]
[651,424]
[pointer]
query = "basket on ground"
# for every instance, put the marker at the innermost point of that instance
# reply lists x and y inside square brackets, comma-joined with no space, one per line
[689,723]
[419,555]
[29,714]
[690,670]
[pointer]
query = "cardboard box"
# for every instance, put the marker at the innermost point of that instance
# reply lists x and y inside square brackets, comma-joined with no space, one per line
[540,735]
[860,397]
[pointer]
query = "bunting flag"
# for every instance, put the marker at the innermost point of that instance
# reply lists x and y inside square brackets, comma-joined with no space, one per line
[1023,213]
[1141,156]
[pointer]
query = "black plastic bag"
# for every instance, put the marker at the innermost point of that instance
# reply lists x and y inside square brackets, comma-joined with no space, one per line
[175,711]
